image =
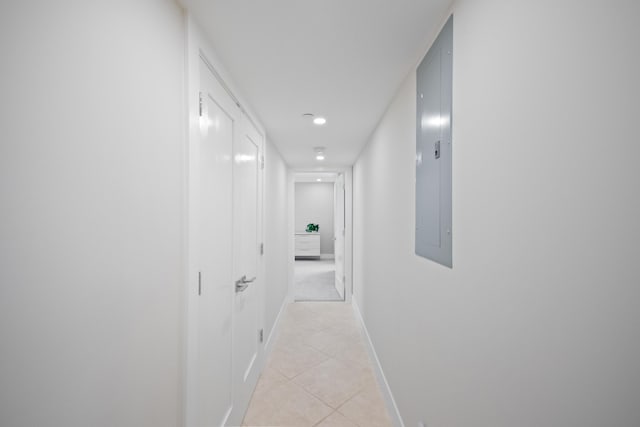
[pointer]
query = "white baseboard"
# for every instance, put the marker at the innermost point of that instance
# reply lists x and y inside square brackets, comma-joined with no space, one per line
[268,344]
[261,362]
[389,401]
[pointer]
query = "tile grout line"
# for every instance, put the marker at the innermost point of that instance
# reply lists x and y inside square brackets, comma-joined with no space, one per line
[323,401]
[330,357]
[291,380]
[332,330]
[318,423]
[297,375]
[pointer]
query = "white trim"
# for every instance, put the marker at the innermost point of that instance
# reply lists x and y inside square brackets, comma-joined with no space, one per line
[348,237]
[198,48]
[268,344]
[338,284]
[348,234]
[389,401]
[291,209]
[226,417]
[185,393]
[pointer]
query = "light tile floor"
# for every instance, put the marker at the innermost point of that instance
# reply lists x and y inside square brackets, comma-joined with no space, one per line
[319,373]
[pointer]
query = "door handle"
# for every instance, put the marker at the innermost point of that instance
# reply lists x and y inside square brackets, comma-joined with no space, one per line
[243,283]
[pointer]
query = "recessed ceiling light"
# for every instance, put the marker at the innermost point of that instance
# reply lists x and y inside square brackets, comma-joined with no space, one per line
[319,180]
[319,121]
[320,157]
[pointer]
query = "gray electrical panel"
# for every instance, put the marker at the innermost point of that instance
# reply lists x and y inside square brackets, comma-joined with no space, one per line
[433,150]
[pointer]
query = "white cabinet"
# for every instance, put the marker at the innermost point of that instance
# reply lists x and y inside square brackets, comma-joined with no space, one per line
[307,244]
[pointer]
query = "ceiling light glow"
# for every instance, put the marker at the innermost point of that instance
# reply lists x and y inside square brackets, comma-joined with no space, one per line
[319,153]
[319,121]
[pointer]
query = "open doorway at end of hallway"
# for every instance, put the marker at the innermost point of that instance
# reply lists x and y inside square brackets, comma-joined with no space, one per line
[319,202]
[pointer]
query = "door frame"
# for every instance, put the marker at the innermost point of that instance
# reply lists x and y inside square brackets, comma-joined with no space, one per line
[197,47]
[242,395]
[339,188]
[348,233]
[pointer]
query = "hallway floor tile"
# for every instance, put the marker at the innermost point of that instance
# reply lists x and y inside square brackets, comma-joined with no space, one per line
[319,373]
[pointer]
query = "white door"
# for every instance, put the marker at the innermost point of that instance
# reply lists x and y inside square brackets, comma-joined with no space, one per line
[214,239]
[339,231]
[247,227]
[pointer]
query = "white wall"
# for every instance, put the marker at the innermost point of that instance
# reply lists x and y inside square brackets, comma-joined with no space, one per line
[91,181]
[537,322]
[276,234]
[314,204]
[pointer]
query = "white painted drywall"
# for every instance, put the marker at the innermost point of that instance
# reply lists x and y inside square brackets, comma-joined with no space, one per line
[314,204]
[537,322]
[276,234]
[92,133]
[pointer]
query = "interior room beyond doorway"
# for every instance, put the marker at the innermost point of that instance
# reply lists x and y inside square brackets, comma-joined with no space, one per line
[319,224]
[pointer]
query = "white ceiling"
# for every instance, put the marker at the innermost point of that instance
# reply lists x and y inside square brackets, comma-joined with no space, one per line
[341,59]
[315,176]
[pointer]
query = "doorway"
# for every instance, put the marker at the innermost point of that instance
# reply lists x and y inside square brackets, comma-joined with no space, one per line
[225,292]
[319,218]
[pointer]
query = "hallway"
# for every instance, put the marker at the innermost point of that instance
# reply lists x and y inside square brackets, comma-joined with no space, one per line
[319,373]
[150,156]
